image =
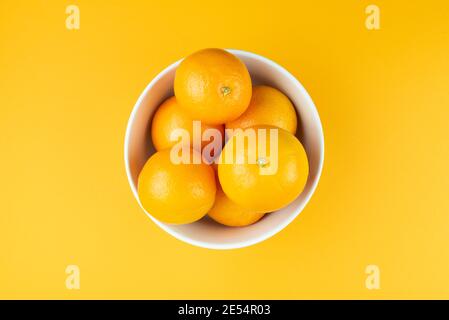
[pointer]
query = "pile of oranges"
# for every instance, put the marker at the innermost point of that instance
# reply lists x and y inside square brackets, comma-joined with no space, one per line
[213,87]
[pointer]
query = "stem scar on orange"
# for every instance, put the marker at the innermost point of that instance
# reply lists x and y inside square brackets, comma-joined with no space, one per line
[213,85]
[176,193]
[247,183]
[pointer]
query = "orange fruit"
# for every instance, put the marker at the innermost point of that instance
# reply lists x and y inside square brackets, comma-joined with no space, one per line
[169,117]
[213,85]
[263,182]
[231,214]
[176,193]
[268,106]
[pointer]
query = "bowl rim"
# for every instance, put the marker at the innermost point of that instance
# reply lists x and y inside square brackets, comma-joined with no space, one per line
[266,235]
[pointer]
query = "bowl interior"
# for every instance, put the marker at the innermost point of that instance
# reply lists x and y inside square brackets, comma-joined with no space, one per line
[207,233]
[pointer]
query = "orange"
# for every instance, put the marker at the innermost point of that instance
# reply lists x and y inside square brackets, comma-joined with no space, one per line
[268,106]
[230,214]
[268,181]
[176,193]
[169,117]
[213,85]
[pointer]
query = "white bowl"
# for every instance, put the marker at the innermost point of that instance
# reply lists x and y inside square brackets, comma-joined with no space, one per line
[207,233]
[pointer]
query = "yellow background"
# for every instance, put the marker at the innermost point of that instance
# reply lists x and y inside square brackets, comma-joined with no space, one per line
[65,99]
